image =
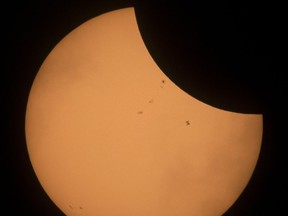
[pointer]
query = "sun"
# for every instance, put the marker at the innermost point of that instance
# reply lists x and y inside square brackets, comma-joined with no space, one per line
[108,133]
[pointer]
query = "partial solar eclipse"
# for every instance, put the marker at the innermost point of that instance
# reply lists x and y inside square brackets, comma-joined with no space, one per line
[109,134]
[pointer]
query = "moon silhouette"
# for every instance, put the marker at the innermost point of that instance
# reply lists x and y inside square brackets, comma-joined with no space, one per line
[108,133]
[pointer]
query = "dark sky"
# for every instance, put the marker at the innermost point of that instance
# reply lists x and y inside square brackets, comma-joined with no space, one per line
[236,53]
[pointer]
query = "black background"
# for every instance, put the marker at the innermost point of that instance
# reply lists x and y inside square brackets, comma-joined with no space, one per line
[229,56]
